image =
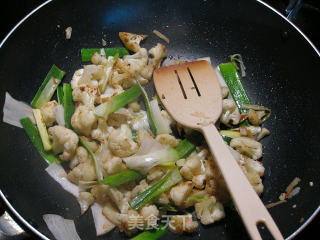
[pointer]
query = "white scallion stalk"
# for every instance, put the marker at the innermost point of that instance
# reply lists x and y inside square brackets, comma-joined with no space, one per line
[151,153]
[101,223]
[57,172]
[42,130]
[60,115]
[61,228]
[103,109]
[163,124]
[14,110]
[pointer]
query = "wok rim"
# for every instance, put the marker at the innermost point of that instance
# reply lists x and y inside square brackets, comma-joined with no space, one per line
[42,236]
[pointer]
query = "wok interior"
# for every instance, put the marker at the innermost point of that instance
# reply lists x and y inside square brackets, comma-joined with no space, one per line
[280,75]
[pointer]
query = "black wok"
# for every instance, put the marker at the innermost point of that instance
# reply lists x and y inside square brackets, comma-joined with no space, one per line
[282,72]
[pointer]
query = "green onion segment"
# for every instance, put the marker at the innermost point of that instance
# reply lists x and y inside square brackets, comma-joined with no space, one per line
[68,104]
[121,178]
[237,90]
[148,235]
[35,138]
[42,130]
[118,101]
[48,87]
[152,123]
[86,53]
[166,182]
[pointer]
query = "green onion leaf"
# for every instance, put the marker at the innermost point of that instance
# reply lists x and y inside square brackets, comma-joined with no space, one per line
[121,178]
[184,148]
[35,138]
[86,53]
[60,95]
[166,182]
[68,104]
[48,87]
[237,90]
[152,123]
[118,101]
[148,235]
[93,156]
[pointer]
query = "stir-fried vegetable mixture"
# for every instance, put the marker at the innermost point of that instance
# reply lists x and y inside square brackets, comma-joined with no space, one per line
[140,168]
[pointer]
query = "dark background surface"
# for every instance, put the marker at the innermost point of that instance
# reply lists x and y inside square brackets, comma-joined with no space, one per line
[308,20]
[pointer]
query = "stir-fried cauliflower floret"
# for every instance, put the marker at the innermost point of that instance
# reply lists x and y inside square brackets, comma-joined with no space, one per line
[121,143]
[136,61]
[120,198]
[97,59]
[100,193]
[148,213]
[76,78]
[114,165]
[155,173]
[102,132]
[194,170]
[48,112]
[132,40]
[64,141]
[134,106]
[230,112]
[264,132]
[143,185]
[86,94]
[209,210]
[85,200]
[167,139]
[158,53]
[114,216]
[84,120]
[224,92]
[122,116]
[254,170]
[182,223]
[81,156]
[83,172]
[180,192]
[247,146]
[255,117]
[194,197]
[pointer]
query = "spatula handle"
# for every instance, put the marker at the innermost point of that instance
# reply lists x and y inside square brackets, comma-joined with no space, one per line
[249,206]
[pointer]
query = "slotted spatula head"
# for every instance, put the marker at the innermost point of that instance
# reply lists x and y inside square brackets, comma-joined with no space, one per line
[190,92]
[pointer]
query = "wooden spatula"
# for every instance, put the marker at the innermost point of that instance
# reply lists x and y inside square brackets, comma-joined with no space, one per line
[191,94]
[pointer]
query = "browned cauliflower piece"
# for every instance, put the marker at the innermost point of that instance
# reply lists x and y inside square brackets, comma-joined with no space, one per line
[167,139]
[86,94]
[209,210]
[158,53]
[64,141]
[48,112]
[230,113]
[83,172]
[180,192]
[122,116]
[194,170]
[84,120]
[121,143]
[247,146]
[132,40]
